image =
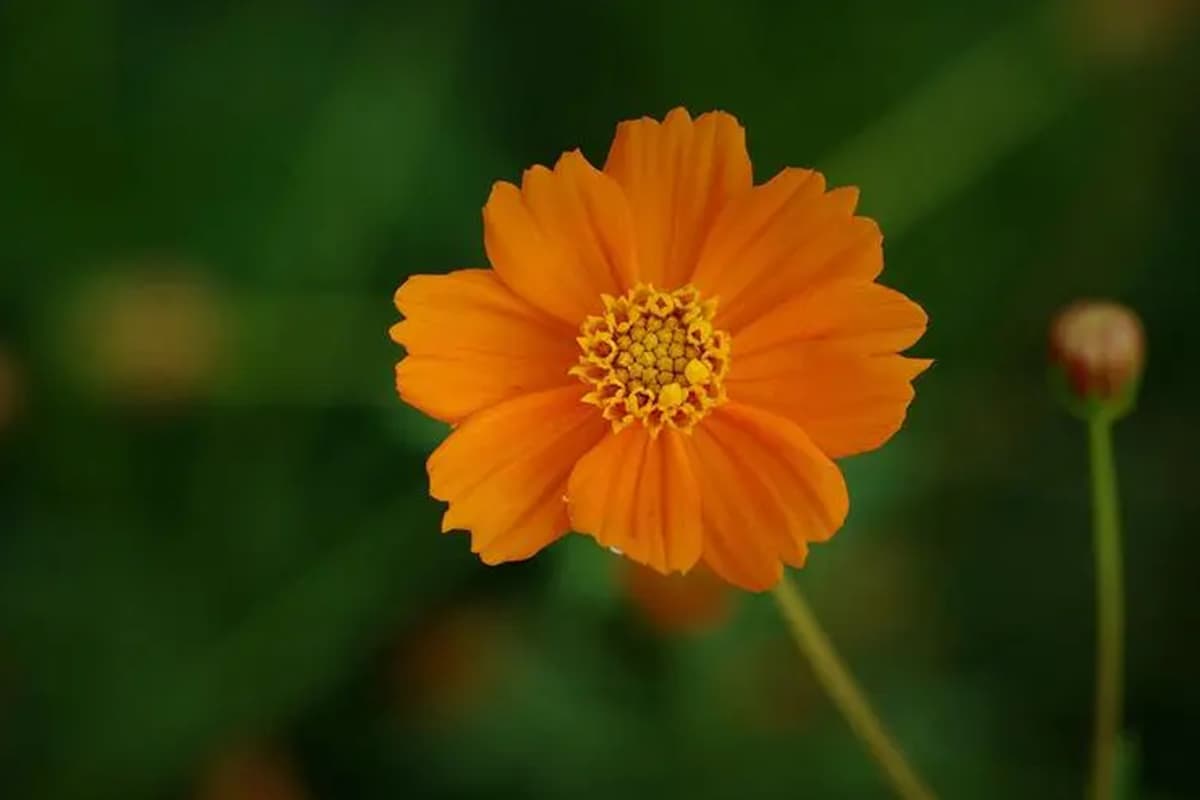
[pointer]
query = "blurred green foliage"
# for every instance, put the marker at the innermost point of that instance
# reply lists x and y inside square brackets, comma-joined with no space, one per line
[214,528]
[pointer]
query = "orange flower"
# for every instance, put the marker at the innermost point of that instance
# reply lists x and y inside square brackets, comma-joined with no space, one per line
[687,603]
[663,356]
[155,334]
[252,773]
[451,663]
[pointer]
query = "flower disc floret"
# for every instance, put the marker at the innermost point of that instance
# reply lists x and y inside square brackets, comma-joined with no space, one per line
[654,357]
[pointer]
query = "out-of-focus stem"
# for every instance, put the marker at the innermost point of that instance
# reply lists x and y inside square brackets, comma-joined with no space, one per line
[1110,605]
[837,681]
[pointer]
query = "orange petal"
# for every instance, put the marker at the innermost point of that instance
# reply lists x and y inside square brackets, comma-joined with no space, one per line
[562,239]
[766,490]
[866,318]
[781,239]
[504,471]
[846,401]
[472,343]
[678,176]
[638,494]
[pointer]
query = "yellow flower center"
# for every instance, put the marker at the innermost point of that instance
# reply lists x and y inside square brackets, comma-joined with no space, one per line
[654,356]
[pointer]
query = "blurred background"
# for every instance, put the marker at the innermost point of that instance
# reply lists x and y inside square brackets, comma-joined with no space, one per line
[221,576]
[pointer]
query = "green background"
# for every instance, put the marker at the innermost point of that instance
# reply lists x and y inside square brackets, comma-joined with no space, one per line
[215,536]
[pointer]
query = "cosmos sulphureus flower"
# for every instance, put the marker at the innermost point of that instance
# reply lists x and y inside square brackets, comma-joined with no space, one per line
[662,355]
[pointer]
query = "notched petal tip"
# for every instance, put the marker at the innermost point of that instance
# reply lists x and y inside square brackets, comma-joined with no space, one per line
[793,179]
[573,159]
[534,173]
[678,175]
[719,115]
[637,493]
[753,582]
[396,332]
[677,115]
[759,519]
[562,238]
[918,366]
[408,294]
[501,192]
[845,199]
[505,469]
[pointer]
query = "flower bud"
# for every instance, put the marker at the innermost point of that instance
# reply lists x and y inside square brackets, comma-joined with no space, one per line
[1100,347]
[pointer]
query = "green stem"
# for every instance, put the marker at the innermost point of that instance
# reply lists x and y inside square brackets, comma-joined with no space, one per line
[836,680]
[1110,606]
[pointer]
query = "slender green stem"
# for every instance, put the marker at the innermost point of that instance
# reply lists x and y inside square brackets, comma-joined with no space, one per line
[836,680]
[1110,605]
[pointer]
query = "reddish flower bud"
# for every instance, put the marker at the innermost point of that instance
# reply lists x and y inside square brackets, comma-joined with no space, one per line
[1100,347]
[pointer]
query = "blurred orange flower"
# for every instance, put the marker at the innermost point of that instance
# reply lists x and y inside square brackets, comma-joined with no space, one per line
[1125,30]
[252,773]
[663,356]
[10,389]
[451,663]
[155,335]
[677,603]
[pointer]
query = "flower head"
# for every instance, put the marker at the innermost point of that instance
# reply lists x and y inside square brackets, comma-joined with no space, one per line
[663,356]
[1099,346]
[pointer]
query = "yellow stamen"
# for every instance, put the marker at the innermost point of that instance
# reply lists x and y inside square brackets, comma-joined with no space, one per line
[670,396]
[654,356]
[696,371]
